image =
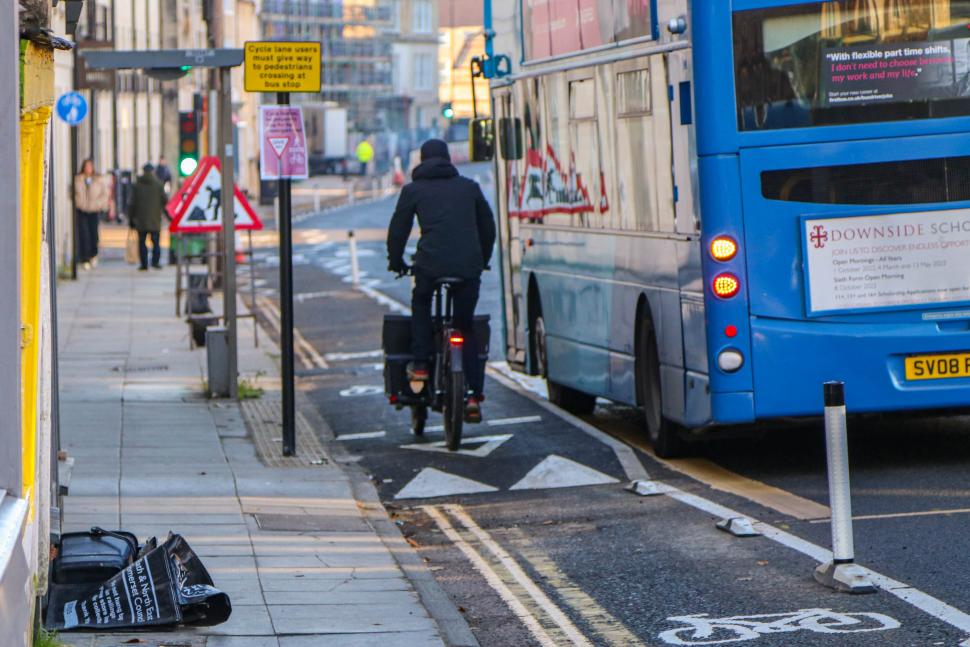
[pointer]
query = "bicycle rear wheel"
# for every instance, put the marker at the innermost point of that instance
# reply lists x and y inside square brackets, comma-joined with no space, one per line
[454,411]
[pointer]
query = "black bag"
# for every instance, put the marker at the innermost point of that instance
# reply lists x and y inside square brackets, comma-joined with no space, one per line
[93,557]
[167,586]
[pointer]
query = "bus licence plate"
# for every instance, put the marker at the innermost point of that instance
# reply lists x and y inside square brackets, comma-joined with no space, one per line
[938,367]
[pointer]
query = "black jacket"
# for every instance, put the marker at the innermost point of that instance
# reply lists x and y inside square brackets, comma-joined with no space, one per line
[457,226]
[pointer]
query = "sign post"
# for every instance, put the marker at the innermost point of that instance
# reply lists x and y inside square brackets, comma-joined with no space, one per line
[283,67]
[72,109]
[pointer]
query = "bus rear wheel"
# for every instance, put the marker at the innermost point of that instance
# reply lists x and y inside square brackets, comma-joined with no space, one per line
[664,435]
[564,397]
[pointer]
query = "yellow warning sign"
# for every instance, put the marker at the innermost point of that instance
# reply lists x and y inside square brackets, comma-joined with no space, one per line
[271,66]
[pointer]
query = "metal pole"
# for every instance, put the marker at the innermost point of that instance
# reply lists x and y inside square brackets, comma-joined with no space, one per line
[841,573]
[74,169]
[354,265]
[228,200]
[286,307]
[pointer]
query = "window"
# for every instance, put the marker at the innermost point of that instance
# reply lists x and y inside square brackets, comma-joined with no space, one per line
[636,152]
[424,71]
[584,176]
[422,18]
[851,61]
[906,182]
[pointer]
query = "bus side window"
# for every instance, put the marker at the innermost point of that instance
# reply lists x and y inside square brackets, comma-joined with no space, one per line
[510,138]
[635,150]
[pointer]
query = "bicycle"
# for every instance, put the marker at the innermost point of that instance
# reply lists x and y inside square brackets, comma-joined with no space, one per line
[446,388]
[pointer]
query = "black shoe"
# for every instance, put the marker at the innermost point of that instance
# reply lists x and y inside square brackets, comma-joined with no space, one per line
[142,269]
[418,371]
[157,267]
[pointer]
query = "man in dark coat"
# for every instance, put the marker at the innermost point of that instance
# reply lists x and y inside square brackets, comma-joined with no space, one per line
[457,236]
[145,214]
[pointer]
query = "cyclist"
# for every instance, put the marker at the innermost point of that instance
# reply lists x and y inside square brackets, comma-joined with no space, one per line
[457,236]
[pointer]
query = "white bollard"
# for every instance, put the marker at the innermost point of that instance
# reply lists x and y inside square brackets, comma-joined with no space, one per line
[316,202]
[841,574]
[354,267]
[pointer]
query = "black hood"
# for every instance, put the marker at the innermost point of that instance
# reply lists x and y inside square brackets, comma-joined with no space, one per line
[436,168]
[434,148]
[146,178]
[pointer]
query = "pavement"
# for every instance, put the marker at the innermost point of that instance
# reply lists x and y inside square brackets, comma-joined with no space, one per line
[302,546]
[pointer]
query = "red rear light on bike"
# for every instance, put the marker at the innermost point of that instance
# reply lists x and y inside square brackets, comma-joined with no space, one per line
[392,399]
[456,340]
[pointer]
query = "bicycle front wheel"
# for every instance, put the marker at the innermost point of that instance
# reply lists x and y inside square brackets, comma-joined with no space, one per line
[454,411]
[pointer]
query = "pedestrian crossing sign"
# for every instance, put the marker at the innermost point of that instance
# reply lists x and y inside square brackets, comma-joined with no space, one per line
[196,207]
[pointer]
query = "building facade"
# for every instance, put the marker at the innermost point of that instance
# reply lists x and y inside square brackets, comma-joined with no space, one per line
[356,52]
[462,38]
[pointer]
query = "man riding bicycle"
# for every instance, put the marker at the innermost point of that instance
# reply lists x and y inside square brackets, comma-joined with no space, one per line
[457,236]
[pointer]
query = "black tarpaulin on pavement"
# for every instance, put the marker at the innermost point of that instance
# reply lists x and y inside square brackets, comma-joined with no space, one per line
[167,586]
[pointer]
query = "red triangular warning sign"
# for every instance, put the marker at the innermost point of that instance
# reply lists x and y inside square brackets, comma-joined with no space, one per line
[197,206]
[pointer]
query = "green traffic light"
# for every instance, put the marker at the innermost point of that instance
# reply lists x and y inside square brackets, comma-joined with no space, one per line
[448,112]
[187,165]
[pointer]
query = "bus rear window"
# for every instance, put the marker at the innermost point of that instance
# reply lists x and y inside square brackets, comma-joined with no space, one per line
[851,61]
[945,179]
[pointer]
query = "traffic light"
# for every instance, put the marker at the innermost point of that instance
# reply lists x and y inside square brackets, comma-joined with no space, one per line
[448,111]
[188,143]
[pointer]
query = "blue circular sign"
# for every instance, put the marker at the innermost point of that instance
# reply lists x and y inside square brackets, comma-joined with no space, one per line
[72,107]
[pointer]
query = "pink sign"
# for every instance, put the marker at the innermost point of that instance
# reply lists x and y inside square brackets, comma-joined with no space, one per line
[282,143]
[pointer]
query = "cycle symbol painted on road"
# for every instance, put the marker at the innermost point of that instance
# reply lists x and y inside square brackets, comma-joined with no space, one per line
[702,630]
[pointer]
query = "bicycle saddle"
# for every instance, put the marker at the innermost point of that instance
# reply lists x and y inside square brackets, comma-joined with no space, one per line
[449,280]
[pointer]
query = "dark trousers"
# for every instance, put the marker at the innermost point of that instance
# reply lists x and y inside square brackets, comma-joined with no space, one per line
[464,299]
[143,248]
[87,235]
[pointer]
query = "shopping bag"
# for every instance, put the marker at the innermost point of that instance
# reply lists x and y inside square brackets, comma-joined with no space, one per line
[166,587]
[131,248]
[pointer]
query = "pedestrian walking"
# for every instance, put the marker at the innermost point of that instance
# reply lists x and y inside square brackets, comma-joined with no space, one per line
[145,215]
[92,197]
[164,174]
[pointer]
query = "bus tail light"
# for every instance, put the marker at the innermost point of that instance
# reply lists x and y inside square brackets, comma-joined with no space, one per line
[726,285]
[730,360]
[723,248]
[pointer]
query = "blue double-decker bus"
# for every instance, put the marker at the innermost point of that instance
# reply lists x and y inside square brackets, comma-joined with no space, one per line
[709,208]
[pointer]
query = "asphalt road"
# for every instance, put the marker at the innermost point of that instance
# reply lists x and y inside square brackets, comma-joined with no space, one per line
[530,528]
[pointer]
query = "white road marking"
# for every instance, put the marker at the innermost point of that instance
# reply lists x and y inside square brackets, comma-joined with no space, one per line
[555,613]
[490,444]
[922,601]
[363,435]
[343,357]
[701,628]
[306,296]
[558,472]
[431,483]
[483,567]
[362,390]
[502,422]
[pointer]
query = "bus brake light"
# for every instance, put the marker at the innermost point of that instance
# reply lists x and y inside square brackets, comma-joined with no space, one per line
[723,248]
[726,285]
